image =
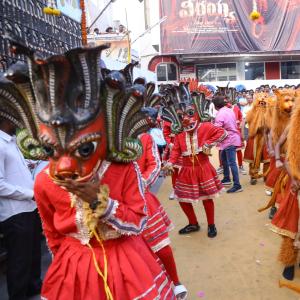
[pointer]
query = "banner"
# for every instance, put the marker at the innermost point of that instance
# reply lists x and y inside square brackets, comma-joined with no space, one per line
[70,8]
[224,26]
[118,46]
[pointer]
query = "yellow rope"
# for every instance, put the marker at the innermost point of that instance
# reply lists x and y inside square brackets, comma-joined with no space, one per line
[103,276]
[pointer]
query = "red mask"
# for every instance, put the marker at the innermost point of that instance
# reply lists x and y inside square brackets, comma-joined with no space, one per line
[81,156]
[190,119]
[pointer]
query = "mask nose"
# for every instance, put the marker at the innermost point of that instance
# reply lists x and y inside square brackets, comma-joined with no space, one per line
[66,167]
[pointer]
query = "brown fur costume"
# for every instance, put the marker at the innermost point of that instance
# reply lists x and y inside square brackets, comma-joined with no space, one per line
[256,116]
[293,152]
[281,119]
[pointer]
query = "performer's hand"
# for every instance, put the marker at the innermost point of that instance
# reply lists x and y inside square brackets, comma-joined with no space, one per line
[171,145]
[279,164]
[271,153]
[87,191]
[168,169]
[295,185]
[206,150]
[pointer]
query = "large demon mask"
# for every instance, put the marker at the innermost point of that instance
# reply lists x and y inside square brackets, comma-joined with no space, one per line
[84,118]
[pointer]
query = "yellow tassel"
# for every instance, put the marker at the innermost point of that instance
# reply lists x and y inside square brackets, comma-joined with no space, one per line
[255,15]
[101,274]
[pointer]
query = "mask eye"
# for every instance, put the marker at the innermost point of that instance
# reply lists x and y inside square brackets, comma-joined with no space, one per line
[85,150]
[48,150]
[190,112]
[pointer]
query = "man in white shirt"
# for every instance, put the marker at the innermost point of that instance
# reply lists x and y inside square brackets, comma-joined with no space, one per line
[19,220]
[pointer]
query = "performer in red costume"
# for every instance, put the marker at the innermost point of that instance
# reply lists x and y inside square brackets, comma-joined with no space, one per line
[158,225]
[91,197]
[197,179]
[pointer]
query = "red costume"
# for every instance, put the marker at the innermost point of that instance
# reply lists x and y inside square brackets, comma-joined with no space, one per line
[73,273]
[158,224]
[197,179]
[93,211]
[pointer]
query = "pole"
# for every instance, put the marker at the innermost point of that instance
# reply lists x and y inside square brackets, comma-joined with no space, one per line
[128,40]
[83,23]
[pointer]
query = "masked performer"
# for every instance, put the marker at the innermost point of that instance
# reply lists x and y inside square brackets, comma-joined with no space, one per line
[280,123]
[92,208]
[158,225]
[256,150]
[285,221]
[197,178]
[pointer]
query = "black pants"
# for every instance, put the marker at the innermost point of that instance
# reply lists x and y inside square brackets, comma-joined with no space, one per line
[22,237]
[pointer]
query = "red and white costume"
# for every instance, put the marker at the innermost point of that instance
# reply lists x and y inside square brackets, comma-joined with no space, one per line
[158,224]
[132,270]
[197,179]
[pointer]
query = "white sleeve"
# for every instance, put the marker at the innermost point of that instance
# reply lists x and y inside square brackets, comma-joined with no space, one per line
[9,191]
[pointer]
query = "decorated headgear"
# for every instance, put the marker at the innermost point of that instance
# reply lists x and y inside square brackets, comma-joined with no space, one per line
[17,108]
[84,117]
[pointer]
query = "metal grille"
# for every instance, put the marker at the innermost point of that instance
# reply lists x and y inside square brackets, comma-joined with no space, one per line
[45,33]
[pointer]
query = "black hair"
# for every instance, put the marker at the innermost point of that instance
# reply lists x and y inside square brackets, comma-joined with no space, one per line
[219,102]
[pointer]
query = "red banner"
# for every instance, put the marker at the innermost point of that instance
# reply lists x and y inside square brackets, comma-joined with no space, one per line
[224,26]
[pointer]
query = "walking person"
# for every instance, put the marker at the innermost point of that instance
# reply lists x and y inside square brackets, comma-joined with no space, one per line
[226,119]
[18,218]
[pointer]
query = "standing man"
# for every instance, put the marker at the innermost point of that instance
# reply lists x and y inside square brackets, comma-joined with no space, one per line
[18,218]
[226,119]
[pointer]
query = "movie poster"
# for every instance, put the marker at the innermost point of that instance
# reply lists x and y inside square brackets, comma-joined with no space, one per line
[224,26]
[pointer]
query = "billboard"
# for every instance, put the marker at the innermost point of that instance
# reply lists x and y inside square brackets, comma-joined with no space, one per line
[223,26]
[70,8]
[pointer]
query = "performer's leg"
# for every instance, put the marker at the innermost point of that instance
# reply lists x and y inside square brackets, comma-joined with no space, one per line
[166,256]
[174,176]
[209,211]
[210,216]
[190,213]
[239,154]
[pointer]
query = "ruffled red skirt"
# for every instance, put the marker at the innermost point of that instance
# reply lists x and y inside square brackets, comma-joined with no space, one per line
[285,221]
[156,233]
[197,180]
[133,272]
[251,149]
[272,175]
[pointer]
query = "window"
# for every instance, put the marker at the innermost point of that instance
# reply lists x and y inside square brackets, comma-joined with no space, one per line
[166,72]
[290,70]
[216,72]
[254,71]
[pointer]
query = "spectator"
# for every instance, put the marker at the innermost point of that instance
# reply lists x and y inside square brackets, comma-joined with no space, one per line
[122,28]
[19,220]
[109,30]
[96,31]
[226,119]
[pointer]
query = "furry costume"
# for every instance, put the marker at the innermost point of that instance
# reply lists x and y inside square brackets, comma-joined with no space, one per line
[256,150]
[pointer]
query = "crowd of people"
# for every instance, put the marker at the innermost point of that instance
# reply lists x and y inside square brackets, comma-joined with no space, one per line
[94,155]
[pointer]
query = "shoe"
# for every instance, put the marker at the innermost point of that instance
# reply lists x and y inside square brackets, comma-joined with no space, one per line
[268,193]
[226,182]
[289,272]
[234,190]
[180,292]
[172,196]
[189,228]
[253,181]
[212,231]
[242,170]
[272,212]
